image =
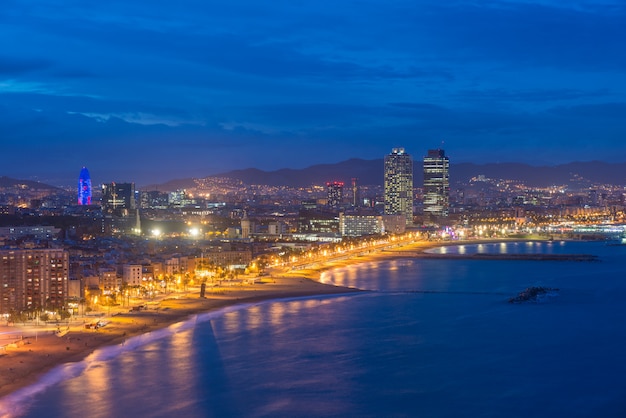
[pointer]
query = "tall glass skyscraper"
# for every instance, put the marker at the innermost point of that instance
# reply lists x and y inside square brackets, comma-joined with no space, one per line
[399,184]
[84,187]
[436,184]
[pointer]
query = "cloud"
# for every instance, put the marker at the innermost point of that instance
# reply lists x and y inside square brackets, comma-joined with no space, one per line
[137,118]
[192,86]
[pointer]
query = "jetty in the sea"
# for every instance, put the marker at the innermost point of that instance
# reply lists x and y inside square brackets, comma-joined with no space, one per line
[533,294]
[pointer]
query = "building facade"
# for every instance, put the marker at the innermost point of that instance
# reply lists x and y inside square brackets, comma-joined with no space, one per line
[132,274]
[360,223]
[37,232]
[399,184]
[118,198]
[229,259]
[109,281]
[277,228]
[436,185]
[318,221]
[334,192]
[33,279]
[394,224]
[84,187]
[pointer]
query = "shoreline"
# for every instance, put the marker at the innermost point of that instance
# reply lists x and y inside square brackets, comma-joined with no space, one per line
[36,351]
[41,350]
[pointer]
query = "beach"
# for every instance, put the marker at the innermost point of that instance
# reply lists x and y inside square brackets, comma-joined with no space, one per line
[30,352]
[445,329]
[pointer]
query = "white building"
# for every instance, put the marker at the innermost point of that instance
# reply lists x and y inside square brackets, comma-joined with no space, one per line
[358,224]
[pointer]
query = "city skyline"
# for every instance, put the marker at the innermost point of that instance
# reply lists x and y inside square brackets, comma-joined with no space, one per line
[147,93]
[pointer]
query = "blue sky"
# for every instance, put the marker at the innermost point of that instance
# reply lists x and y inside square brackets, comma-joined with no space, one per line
[150,90]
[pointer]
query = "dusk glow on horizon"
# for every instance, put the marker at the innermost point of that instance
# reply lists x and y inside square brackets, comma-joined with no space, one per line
[147,92]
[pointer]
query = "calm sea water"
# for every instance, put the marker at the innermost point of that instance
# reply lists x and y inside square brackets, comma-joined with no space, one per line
[434,338]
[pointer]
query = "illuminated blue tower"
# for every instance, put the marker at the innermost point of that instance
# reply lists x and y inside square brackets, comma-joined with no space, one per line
[84,187]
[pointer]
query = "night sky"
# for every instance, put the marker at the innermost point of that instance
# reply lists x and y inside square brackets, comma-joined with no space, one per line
[150,90]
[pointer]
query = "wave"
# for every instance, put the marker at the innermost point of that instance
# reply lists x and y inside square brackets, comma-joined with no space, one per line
[17,403]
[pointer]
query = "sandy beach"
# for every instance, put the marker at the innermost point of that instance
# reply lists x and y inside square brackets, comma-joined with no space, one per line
[27,353]
[30,352]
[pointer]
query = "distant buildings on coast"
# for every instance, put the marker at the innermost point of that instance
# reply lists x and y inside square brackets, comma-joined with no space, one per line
[93,242]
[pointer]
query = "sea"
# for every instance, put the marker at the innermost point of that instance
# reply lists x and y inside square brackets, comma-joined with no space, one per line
[428,338]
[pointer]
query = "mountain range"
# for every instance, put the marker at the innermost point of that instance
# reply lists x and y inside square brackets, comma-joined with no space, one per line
[370,172]
[11,183]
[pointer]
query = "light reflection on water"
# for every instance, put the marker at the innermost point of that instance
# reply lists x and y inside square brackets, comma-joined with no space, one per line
[94,389]
[534,247]
[389,353]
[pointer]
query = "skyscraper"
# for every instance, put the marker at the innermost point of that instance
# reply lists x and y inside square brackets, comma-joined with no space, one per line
[436,184]
[399,184]
[84,187]
[334,190]
[118,198]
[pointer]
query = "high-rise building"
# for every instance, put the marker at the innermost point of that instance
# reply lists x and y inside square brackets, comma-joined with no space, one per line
[334,190]
[84,187]
[399,184]
[118,198]
[436,184]
[33,278]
